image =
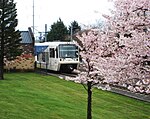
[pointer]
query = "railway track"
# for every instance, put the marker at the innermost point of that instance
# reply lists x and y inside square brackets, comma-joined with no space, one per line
[57,74]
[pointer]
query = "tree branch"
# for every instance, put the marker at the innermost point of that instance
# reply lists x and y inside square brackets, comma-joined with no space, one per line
[84,87]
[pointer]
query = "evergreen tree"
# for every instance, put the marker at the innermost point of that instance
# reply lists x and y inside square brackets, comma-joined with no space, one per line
[74,27]
[9,37]
[58,32]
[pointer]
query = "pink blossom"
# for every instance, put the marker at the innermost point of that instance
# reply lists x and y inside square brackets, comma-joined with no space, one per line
[121,54]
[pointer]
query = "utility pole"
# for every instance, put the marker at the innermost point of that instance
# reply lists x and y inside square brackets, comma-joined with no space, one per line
[33,17]
[71,31]
[45,32]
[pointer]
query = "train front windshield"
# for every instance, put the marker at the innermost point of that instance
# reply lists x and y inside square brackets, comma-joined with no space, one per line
[68,51]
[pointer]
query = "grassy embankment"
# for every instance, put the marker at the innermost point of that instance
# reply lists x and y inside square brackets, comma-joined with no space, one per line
[34,96]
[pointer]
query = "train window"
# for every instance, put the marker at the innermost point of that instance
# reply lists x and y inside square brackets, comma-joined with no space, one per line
[57,52]
[43,56]
[68,51]
[52,52]
[38,57]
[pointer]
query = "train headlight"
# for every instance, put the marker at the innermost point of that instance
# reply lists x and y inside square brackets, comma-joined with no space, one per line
[61,59]
[76,59]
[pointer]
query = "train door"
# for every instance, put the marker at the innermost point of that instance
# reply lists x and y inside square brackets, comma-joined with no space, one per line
[53,59]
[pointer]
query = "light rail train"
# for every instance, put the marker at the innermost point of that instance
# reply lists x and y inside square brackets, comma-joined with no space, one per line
[57,56]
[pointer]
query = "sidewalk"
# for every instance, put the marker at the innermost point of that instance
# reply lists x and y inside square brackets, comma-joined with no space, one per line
[138,96]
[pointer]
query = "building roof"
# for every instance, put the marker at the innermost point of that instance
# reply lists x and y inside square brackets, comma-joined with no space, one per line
[27,37]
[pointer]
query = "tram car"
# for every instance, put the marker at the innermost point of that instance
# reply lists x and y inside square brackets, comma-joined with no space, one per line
[57,56]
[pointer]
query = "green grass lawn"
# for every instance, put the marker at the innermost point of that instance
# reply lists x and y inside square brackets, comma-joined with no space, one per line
[35,96]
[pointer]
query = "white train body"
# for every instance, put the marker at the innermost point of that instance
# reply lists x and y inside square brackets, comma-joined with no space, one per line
[57,56]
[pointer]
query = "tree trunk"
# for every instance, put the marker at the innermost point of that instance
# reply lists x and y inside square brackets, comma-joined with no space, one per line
[2,59]
[2,45]
[89,105]
[1,70]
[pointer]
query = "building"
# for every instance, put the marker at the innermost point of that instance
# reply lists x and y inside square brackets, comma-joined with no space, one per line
[25,62]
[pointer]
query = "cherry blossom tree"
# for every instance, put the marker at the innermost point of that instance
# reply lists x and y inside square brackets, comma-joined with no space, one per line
[90,75]
[120,55]
[129,32]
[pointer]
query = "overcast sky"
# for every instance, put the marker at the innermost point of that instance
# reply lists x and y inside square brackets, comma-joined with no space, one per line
[49,11]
